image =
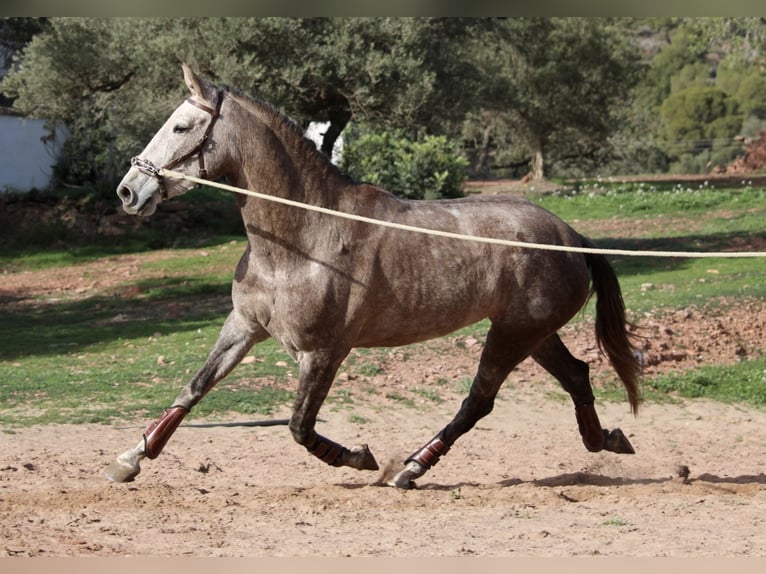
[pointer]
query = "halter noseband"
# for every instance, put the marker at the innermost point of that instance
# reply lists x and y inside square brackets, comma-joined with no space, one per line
[147,167]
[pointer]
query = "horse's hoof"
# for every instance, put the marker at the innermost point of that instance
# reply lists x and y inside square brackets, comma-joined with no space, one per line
[405,477]
[124,468]
[361,458]
[616,441]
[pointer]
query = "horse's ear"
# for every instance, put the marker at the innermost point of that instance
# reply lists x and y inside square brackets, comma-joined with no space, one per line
[197,86]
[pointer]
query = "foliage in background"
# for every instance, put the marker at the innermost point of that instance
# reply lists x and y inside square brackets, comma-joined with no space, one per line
[699,124]
[561,83]
[422,75]
[712,65]
[562,97]
[114,81]
[425,169]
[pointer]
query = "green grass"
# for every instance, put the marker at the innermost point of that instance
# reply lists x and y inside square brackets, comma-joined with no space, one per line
[598,200]
[55,238]
[744,382]
[681,283]
[114,357]
[673,218]
[122,353]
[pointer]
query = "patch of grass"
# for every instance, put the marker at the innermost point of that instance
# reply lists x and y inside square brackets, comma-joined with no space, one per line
[111,357]
[694,223]
[604,200]
[616,522]
[463,385]
[369,369]
[123,353]
[649,285]
[340,396]
[357,419]
[741,382]
[245,399]
[65,229]
[400,399]
[429,395]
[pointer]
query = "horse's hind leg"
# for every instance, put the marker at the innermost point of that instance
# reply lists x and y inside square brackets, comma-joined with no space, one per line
[317,371]
[236,338]
[573,375]
[502,352]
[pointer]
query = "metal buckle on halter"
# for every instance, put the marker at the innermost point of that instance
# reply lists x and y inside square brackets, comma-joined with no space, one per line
[145,166]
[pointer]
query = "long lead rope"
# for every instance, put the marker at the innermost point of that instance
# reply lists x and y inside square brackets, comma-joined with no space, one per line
[451,235]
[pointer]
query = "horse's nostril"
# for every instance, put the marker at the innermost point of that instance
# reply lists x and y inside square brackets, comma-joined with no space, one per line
[126,195]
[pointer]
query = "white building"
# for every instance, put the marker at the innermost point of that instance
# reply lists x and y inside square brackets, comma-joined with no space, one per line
[315,132]
[26,156]
[27,152]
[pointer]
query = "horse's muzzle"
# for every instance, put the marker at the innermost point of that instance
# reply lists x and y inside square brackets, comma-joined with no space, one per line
[128,197]
[133,204]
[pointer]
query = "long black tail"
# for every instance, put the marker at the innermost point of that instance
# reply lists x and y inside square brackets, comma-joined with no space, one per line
[612,334]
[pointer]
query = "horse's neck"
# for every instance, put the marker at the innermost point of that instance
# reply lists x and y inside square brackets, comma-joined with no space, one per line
[274,160]
[278,160]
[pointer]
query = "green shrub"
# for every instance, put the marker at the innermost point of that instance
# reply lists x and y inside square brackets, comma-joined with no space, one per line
[699,125]
[425,169]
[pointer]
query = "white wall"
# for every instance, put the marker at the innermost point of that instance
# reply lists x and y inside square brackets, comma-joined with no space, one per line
[25,161]
[315,132]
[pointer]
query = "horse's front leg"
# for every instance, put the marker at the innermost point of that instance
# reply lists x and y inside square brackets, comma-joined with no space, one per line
[236,338]
[317,371]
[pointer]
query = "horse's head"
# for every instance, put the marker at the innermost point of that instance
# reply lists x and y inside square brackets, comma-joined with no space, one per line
[185,141]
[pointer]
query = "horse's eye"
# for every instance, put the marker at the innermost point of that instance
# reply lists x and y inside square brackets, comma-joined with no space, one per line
[180,129]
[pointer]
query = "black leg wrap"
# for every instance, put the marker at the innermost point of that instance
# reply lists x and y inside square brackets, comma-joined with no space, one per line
[429,454]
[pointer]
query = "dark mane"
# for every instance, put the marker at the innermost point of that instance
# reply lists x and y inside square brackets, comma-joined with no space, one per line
[291,134]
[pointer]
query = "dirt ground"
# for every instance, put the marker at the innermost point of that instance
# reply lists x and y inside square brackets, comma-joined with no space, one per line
[519,484]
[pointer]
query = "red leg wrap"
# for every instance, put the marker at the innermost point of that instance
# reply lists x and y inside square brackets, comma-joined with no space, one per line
[158,433]
[429,455]
[590,427]
[327,451]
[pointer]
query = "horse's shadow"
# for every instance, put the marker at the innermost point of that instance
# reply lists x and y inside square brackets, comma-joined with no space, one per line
[741,479]
[588,479]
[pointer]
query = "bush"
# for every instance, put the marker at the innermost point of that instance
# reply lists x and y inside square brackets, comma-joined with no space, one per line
[426,169]
[698,119]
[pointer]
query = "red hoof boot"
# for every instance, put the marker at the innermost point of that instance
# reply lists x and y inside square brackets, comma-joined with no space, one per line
[159,432]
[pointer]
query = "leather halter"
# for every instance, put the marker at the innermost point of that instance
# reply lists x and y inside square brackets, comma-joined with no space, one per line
[147,167]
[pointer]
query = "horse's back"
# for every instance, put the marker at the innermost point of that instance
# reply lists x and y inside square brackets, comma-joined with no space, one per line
[424,286]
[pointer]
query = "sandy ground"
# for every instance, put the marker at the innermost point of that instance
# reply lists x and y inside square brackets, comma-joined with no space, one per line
[520,484]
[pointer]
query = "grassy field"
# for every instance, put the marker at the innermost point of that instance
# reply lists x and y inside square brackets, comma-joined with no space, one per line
[123,351]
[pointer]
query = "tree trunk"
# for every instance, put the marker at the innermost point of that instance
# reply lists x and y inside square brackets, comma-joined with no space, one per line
[538,171]
[480,166]
[339,118]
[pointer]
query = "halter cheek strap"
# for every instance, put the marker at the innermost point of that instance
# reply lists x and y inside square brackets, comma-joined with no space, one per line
[147,167]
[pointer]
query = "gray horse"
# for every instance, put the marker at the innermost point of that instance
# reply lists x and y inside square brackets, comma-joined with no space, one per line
[321,285]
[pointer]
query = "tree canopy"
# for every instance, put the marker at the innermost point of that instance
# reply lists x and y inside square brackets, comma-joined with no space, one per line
[550,95]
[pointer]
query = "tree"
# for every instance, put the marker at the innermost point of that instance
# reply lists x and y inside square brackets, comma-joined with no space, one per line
[700,120]
[114,80]
[561,82]
[15,34]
